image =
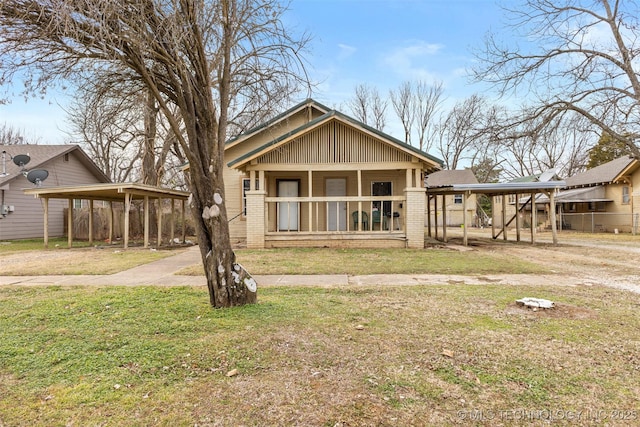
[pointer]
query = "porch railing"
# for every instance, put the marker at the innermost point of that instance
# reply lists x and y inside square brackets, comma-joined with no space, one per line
[371,214]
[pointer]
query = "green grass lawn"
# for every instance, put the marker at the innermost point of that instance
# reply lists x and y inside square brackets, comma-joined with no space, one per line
[362,356]
[376,261]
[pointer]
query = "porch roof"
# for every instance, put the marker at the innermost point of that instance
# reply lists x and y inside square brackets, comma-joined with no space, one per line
[274,143]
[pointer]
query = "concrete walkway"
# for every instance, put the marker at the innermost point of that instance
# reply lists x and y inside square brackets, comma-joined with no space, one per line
[162,273]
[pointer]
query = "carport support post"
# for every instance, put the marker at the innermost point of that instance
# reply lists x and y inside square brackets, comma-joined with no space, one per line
[428,215]
[493,217]
[435,215]
[127,208]
[517,217]
[91,221]
[111,222]
[504,217]
[444,218]
[534,220]
[159,213]
[465,197]
[173,220]
[46,222]
[146,221]
[184,225]
[70,223]
[554,227]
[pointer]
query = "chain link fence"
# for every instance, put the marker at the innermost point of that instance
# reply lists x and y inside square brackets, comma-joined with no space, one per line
[600,222]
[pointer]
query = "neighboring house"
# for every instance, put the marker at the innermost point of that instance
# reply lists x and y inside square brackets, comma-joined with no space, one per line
[453,203]
[313,176]
[602,198]
[21,215]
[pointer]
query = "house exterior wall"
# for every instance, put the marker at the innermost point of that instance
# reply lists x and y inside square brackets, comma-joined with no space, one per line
[454,211]
[27,220]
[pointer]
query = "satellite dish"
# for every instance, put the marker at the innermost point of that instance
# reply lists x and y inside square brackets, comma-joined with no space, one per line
[21,159]
[36,176]
[547,175]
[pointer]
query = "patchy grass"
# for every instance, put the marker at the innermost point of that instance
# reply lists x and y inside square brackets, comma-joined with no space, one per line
[421,355]
[75,261]
[375,261]
[10,246]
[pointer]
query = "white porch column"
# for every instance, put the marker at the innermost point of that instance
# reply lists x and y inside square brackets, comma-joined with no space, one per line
[256,224]
[414,216]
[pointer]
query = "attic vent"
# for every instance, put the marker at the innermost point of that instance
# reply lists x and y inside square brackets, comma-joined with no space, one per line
[66,157]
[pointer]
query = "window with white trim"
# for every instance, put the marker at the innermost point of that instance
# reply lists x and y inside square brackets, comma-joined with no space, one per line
[626,197]
[457,199]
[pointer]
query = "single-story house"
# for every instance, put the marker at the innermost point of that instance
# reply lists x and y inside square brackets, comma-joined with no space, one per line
[313,176]
[602,198]
[453,206]
[21,215]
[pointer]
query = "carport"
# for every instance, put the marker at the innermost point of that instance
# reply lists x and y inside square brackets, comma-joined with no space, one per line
[123,192]
[493,190]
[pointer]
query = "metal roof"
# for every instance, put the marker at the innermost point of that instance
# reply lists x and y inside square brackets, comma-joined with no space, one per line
[498,188]
[108,192]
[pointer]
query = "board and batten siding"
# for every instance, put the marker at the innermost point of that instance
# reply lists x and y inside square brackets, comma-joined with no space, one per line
[332,143]
[27,220]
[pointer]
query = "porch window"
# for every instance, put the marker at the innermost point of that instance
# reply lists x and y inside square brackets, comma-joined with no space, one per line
[383,189]
[457,199]
[596,206]
[245,187]
[77,203]
[625,195]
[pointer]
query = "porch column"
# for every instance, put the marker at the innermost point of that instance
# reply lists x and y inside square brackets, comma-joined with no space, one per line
[414,217]
[359,219]
[256,224]
[184,224]
[310,205]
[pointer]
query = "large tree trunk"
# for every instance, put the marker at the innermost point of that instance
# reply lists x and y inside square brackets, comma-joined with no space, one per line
[229,283]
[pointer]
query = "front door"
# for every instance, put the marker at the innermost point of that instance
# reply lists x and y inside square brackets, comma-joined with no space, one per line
[337,211]
[288,211]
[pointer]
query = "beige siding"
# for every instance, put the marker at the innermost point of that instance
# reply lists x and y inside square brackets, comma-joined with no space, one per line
[334,142]
[271,133]
[233,194]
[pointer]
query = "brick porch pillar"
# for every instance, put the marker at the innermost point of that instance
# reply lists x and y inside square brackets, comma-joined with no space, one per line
[414,216]
[255,219]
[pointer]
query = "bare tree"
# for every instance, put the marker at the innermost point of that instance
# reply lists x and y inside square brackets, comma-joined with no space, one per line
[12,136]
[401,100]
[367,106]
[461,130]
[427,100]
[577,57]
[178,50]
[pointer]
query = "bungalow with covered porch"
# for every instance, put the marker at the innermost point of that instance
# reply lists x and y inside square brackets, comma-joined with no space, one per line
[315,177]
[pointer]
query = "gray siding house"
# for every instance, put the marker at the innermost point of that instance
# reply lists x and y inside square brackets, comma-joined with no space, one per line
[21,215]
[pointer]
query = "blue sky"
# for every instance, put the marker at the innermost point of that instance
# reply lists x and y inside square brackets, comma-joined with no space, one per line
[381,43]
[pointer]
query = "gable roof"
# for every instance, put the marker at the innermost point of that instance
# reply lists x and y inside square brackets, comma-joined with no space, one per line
[307,103]
[40,155]
[604,174]
[449,177]
[328,116]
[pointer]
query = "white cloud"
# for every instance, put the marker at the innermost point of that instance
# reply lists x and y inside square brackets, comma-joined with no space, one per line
[345,51]
[407,61]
